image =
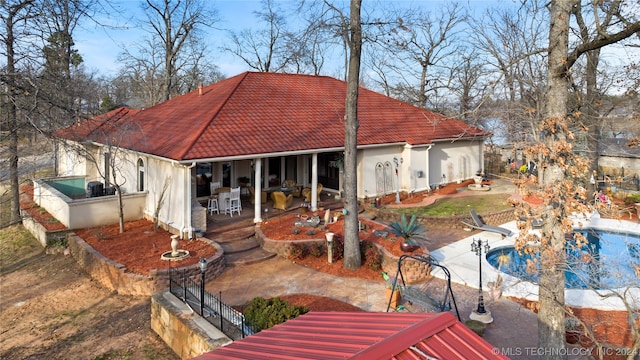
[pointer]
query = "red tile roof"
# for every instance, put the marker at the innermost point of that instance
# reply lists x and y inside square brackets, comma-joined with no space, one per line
[345,335]
[258,113]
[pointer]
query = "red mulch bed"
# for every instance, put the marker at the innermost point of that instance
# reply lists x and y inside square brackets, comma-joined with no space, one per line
[139,248]
[36,212]
[281,228]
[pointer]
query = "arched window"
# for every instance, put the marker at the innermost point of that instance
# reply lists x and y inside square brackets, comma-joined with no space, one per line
[140,175]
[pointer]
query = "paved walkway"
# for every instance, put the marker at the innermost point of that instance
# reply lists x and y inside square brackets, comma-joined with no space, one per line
[514,329]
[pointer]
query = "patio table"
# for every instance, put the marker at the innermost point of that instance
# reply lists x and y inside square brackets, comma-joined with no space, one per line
[223,195]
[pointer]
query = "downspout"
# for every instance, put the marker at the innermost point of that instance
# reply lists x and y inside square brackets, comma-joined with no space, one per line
[427,169]
[186,214]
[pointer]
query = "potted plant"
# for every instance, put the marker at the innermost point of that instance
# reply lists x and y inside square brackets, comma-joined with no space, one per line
[392,292]
[336,216]
[411,231]
[243,181]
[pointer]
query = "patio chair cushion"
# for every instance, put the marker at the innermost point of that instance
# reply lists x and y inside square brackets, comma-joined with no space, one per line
[296,190]
[252,195]
[306,192]
[280,200]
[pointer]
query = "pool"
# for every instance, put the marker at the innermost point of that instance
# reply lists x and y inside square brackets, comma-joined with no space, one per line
[609,260]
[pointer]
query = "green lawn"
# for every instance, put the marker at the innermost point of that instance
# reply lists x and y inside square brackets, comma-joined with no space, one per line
[461,205]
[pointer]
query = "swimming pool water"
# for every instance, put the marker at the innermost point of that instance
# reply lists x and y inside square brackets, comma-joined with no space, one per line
[609,260]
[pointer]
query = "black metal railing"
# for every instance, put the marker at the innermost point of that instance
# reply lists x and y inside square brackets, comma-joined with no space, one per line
[223,316]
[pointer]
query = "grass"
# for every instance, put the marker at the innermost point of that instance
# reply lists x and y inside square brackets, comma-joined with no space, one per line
[461,205]
[15,241]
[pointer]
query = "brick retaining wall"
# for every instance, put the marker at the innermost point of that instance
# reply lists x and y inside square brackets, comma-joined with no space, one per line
[114,276]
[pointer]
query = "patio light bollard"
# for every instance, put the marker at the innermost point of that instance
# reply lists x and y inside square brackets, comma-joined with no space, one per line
[329,236]
[203,270]
[480,314]
[397,162]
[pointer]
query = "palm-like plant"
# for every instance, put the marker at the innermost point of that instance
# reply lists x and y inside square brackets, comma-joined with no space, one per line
[410,231]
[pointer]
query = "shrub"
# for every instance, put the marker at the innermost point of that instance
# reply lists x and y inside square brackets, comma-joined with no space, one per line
[338,247]
[265,313]
[635,198]
[311,232]
[296,252]
[295,231]
[372,256]
[316,250]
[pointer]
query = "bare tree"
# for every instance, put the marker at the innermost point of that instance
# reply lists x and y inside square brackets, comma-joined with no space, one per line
[562,172]
[512,47]
[16,16]
[173,50]
[265,50]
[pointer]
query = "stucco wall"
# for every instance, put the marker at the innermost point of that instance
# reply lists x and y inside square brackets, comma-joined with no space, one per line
[89,212]
[458,160]
[613,166]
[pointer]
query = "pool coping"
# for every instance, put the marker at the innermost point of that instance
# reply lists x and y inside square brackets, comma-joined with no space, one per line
[463,266]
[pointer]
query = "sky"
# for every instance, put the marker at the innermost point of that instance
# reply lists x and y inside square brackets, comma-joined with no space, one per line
[100,47]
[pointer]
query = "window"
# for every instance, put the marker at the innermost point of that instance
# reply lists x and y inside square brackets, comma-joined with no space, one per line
[140,175]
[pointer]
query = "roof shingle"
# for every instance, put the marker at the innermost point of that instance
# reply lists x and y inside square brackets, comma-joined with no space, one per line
[258,113]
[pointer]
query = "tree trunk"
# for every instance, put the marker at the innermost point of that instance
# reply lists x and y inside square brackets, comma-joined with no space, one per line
[551,332]
[12,118]
[352,256]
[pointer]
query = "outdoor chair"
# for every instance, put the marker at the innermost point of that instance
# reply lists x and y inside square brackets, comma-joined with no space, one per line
[480,225]
[252,195]
[280,200]
[214,186]
[213,205]
[296,190]
[233,202]
[306,192]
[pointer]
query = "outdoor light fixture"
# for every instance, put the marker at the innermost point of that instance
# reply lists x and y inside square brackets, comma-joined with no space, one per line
[203,269]
[397,162]
[480,314]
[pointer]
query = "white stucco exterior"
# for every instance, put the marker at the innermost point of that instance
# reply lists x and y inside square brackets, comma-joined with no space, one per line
[419,168]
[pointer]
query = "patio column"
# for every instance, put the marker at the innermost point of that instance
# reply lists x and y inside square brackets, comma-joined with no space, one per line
[257,200]
[314,182]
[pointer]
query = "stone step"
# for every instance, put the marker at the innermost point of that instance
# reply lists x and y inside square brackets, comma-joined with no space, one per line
[232,235]
[248,257]
[240,245]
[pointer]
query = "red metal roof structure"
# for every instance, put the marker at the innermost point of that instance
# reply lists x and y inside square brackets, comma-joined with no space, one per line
[345,335]
[257,113]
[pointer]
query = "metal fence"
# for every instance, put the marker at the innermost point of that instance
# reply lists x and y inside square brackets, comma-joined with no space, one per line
[229,320]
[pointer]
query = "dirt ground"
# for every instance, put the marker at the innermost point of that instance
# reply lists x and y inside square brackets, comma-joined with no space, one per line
[51,309]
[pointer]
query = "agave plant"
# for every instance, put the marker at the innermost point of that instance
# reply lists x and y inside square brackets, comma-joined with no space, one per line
[410,231]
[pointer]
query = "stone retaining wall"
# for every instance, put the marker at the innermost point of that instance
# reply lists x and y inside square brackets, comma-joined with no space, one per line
[448,222]
[186,332]
[114,276]
[412,270]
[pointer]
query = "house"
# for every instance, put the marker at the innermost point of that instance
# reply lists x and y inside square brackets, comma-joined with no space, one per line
[344,335]
[268,127]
